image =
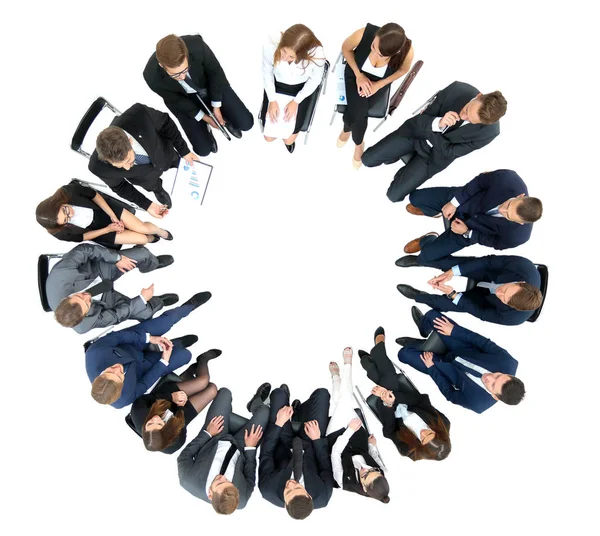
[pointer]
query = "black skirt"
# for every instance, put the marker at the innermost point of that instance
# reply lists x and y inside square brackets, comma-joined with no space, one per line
[102,220]
[292,91]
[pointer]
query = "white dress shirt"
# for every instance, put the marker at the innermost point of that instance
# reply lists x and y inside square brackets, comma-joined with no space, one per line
[83,217]
[411,420]
[472,377]
[215,466]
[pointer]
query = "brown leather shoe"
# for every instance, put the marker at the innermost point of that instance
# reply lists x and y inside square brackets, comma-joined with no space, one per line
[410,208]
[414,246]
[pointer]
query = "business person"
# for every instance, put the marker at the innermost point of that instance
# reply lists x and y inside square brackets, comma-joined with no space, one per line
[355,460]
[135,150]
[219,467]
[417,429]
[76,213]
[474,372]
[124,364]
[494,210]
[459,120]
[80,289]
[295,470]
[507,290]
[162,416]
[184,70]
[375,58]
[293,65]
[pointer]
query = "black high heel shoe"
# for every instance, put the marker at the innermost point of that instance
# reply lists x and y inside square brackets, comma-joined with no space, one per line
[290,147]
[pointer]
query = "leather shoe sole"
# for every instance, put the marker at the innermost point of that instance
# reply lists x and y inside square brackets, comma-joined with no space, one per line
[199,299]
[186,341]
[164,260]
[409,341]
[407,261]
[168,299]
[262,392]
[417,315]
[410,292]
[209,354]
[415,211]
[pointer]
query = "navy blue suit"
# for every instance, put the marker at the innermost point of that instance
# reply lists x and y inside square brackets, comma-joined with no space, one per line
[129,347]
[483,193]
[450,376]
[480,302]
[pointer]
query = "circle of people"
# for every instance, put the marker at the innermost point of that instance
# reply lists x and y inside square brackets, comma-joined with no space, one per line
[304,452]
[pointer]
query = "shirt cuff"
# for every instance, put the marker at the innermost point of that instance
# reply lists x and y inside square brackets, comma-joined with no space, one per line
[207,433]
[216,104]
[143,299]
[456,270]
[165,363]
[147,338]
[457,298]
[249,448]
[435,125]
[455,202]
[199,116]
[469,233]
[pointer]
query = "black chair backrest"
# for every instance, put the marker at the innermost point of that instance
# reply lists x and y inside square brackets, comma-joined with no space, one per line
[313,100]
[405,385]
[86,122]
[104,194]
[378,103]
[401,91]
[434,344]
[543,270]
[42,277]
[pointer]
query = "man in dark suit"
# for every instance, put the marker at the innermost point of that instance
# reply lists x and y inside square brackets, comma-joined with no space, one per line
[136,149]
[218,467]
[493,210]
[89,270]
[295,471]
[506,292]
[184,70]
[124,364]
[457,121]
[473,373]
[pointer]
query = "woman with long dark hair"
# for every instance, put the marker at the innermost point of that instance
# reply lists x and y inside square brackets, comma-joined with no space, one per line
[161,417]
[293,63]
[375,58]
[76,213]
[418,430]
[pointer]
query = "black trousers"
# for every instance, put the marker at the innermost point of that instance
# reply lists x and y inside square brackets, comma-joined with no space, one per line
[356,115]
[198,132]
[379,368]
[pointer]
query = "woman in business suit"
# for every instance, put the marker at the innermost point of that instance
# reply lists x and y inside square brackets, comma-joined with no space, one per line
[293,64]
[375,58]
[76,213]
[418,430]
[161,417]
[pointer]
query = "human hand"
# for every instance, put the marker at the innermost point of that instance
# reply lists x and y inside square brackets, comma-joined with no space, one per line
[449,119]
[355,424]
[148,292]
[291,110]
[448,210]
[312,430]
[284,415]
[443,325]
[459,226]
[215,426]
[386,396]
[273,111]
[190,158]
[375,87]
[364,85]
[445,289]
[157,211]
[209,120]
[442,278]
[217,113]
[158,340]
[179,398]
[372,440]
[167,349]
[427,358]
[125,264]
[252,438]
[114,228]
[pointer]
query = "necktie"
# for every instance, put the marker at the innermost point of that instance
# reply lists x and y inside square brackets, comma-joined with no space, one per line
[297,455]
[454,126]
[100,288]
[227,459]
[493,211]
[470,368]
[201,92]
[490,286]
[141,159]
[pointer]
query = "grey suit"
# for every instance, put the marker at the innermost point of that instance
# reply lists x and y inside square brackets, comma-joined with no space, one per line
[82,265]
[195,460]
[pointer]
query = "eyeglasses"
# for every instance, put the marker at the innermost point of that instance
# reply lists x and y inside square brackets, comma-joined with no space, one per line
[177,75]
[66,212]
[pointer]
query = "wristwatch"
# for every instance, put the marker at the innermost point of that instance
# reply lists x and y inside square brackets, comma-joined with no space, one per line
[452,294]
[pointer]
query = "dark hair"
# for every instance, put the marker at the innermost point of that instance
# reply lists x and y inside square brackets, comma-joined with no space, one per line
[493,107]
[529,298]
[226,501]
[171,51]
[301,40]
[437,449]
[300,506]
[68,314]
[105,391]
[379,489]
[47,211]
[530,209]
[161,439]
[112,145]
[393,43]
[513,392]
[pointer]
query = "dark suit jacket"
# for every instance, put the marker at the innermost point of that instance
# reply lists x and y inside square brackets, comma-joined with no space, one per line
[205,71]
[193,466]
[80,196]
[157,133]
[275,468]
[451,379]
[456,141]
[485,192]
[126,347]
[497,269]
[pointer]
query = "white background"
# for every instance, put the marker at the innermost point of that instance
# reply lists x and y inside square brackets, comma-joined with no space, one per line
[298,251]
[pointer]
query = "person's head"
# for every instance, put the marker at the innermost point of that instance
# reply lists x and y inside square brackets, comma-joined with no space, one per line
[54,212]
[522,209]
[72,309]
[298,503]
[375,484]
[223,495]
[158,434]
[106,388]
[391,42]
[173,56]
[114,146]
[504,387]
[520,296]
[295,44]
[431,444]
[485,109]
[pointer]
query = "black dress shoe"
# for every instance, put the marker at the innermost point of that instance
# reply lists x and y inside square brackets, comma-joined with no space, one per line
[409,341]
[209,354]
[417,315]
[164,260]
[235,132]
[163,197]
[410,292]
[186,341]
[285,389]
[295,405]
[169,235]
[168,299]
[198,299]
[262,392]
[291,147]
[214,147]
[408,261]
[378,331]
[153,238]
[362,353]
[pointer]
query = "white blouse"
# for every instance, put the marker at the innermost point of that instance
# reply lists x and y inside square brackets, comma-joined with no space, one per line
[83,217]
[411,420]
[368,67]
[308,72]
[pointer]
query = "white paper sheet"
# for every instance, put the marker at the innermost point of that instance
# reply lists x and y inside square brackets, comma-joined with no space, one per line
[280,129]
